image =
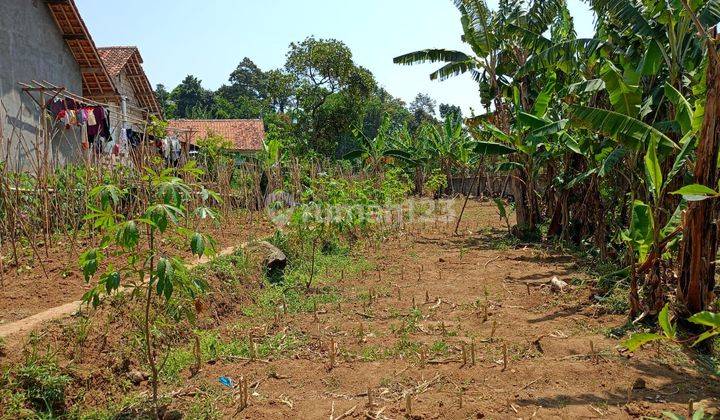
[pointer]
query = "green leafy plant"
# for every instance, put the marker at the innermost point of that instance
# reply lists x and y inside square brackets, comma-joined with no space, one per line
[707,319]
[435,183]
[130,253]
[37,383]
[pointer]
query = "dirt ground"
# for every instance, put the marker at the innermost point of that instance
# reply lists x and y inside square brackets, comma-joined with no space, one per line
[481,337]
[26,289]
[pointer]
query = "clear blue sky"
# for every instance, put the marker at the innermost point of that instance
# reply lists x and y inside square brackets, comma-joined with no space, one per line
[209,38]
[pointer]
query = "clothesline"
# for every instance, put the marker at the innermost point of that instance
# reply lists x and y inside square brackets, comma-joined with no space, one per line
[97,132]
[61,92]
[97,103]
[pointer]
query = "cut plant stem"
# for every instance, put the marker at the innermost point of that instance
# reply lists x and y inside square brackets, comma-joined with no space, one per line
[505,358]
[472,352]
[408,405]
[251,347]
[492,332]
[243,391]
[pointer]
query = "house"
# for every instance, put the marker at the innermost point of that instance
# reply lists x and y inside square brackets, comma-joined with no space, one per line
[47,41]
[247,136]
[124,64]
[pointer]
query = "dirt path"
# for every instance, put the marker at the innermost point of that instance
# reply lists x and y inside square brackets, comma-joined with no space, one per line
[27,293]
[31,323]
[558,364]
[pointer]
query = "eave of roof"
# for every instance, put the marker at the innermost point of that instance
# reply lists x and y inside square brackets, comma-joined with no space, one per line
[97,83]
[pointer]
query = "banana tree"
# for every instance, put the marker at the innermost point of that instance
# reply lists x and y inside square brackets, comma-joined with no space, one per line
[376,152]
[483,34]
[448,145]
[696,279]
[419,150]
[481,149]
[645,238]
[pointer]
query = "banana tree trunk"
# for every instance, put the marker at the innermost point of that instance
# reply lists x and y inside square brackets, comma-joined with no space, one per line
[419,181]
[696,278]
[525,223]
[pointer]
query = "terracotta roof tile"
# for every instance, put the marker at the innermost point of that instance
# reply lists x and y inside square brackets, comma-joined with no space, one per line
[247,135]
[115,58]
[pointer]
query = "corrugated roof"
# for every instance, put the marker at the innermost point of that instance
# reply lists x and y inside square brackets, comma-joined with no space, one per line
[246,135]
[118,58]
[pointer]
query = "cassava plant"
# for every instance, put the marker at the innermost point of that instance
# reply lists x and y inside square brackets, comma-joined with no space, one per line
[132,259]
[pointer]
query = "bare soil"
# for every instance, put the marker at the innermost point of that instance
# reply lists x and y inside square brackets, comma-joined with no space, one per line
[538,353]
[26,290]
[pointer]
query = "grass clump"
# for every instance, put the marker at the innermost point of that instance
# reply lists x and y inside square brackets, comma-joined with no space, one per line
[34,388]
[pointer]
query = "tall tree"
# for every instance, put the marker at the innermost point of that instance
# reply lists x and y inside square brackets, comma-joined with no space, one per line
[280,89]
[163,98]
[450,111]
[422,109]
[191,99]
[248,80]
[324,69]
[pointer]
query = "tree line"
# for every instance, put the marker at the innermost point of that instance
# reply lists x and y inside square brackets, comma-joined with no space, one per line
[319,102]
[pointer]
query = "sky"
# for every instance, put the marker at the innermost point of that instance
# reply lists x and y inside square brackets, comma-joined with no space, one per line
[209,38]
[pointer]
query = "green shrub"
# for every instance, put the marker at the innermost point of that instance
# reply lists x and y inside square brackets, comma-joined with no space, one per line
[38,384]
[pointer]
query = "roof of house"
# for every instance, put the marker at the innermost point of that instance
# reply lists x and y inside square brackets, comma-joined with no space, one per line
[115,58]
[97,83]
[247,135]
[118,58]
